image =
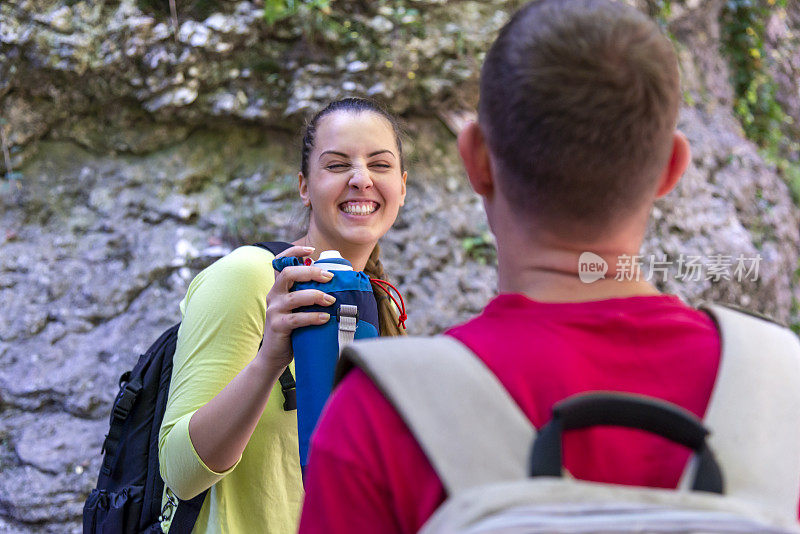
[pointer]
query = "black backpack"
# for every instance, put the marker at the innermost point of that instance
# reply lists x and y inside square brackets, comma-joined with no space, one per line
[127,498]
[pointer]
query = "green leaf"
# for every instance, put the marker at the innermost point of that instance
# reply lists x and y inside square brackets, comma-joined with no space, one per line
[275,10]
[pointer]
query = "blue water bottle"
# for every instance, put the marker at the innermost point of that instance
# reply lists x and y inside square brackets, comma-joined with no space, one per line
[354,315]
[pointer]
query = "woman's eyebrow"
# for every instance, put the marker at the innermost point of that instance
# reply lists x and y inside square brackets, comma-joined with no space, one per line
[342,154]
[380,152]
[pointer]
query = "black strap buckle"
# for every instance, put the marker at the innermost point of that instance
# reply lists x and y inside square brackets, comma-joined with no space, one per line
[289,400]
[288,388]
[126,399]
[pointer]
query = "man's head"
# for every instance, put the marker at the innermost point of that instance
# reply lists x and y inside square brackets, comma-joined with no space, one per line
[578,107]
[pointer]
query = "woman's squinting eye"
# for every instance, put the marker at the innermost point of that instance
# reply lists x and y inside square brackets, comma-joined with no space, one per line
[335,166]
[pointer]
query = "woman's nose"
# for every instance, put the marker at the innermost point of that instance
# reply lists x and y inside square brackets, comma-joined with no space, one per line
[360,179]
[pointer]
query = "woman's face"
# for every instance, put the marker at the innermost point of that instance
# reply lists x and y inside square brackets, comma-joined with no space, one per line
[355,186]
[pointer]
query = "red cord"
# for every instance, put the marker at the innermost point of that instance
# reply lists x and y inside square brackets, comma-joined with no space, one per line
[402,307]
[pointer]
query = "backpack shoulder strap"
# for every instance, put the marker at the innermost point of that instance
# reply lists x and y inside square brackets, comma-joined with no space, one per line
[467,424]
[753,410]
[186,514]
[276,247]
[286,379]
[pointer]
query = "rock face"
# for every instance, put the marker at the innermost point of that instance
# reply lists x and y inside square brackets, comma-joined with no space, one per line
[146,153]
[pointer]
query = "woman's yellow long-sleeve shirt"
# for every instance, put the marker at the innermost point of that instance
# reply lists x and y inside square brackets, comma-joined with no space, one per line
[223,321]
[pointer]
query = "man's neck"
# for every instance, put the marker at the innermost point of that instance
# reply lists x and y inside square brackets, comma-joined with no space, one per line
[547,270]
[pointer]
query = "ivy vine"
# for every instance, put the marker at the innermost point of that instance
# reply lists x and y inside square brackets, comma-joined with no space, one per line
[743,31]
[742,36]
[348,26]
[275,10]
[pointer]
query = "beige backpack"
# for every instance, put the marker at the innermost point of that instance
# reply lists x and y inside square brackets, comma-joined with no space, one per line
[745,476]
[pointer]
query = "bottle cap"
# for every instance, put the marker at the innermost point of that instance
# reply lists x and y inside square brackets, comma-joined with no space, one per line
[331,260]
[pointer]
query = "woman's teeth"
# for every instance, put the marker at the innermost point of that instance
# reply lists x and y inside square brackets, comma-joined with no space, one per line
[359,208]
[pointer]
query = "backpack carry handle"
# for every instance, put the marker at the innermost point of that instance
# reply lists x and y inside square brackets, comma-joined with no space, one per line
[632,411]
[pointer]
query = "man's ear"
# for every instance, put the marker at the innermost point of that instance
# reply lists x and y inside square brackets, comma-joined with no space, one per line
[678,163]
[475,156]
[302,186]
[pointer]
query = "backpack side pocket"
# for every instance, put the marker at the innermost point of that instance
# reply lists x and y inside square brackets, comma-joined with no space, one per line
[113,512]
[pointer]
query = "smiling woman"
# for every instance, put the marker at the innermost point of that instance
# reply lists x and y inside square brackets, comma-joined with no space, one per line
[224,430]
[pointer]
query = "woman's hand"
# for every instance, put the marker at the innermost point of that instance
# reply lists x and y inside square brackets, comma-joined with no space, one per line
[276,347]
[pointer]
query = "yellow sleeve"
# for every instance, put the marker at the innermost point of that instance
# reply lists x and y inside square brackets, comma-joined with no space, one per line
[223,322]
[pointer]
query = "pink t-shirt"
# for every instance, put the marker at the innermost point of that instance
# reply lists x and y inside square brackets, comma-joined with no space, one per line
[367,474]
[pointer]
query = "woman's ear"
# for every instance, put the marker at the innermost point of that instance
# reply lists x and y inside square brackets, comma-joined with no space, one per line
[302,186]
[403,189]
[678,163]
[475,156]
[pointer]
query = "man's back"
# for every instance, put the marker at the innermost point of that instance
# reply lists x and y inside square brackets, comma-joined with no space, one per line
[368,474]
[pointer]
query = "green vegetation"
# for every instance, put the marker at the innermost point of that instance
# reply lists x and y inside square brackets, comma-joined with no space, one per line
[480,248]
[275,10]
[763,119]
[355,26]
[743,30]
